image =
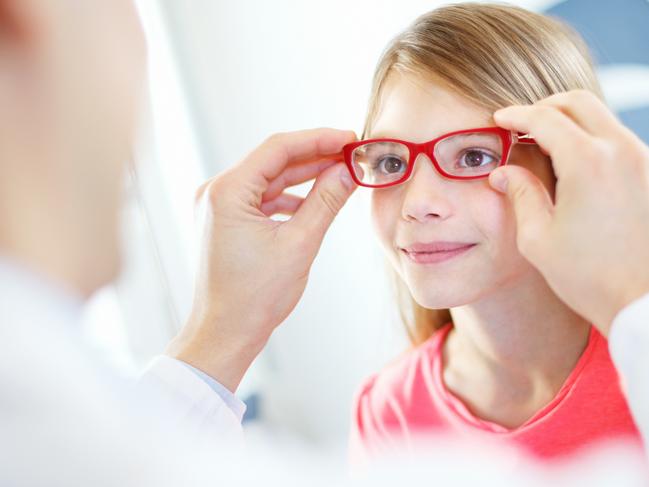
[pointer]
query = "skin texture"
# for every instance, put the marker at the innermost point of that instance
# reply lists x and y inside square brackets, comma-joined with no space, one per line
[514,342]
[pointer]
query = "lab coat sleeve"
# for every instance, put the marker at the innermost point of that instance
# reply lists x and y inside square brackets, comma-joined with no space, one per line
[192,404]
[629,347]
[237,406]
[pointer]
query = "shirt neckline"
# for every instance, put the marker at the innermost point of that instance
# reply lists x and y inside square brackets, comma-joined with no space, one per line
[457,406]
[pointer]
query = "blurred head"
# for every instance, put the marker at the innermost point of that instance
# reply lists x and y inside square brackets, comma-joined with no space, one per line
[448,71]
[71,73]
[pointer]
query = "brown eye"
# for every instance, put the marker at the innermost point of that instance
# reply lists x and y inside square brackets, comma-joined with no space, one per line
[390,164]
[475,158]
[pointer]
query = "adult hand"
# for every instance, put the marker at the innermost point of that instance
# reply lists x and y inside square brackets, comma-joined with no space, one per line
[253,269]
[592,244]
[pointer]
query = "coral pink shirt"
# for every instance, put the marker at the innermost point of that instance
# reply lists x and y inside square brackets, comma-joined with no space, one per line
[409,398]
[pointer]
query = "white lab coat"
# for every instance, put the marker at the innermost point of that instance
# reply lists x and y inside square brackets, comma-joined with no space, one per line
[65,415]
[67,419]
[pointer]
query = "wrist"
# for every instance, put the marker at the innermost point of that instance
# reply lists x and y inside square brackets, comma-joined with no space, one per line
[225,360]
[629,299]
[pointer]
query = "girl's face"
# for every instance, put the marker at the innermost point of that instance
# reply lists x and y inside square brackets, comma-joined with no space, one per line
[429,208]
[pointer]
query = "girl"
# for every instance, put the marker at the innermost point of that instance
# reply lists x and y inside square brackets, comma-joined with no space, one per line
[495,354]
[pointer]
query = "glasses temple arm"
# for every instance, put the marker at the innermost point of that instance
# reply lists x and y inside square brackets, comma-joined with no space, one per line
[523,138]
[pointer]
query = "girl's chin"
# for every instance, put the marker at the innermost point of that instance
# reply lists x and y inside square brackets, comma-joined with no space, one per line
[441,302]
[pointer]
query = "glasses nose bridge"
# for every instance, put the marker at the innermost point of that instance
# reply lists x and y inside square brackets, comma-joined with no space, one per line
[426,148]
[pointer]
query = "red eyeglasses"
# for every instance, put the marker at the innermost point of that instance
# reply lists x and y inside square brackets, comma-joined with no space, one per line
[464,154]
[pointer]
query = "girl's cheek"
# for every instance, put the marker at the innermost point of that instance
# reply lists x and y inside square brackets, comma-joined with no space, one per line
[506,226]
[495,220]
[384,215]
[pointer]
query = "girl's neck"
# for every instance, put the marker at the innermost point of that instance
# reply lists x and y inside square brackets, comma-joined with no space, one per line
[509,353]
[521,326]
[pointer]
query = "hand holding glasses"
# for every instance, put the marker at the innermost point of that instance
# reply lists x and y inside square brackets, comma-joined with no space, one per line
[463,154]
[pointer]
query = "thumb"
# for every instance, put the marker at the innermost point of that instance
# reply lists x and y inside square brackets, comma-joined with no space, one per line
[329,193]
[531,202]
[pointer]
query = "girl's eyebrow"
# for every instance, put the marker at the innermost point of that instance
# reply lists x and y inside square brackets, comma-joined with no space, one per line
[382,135]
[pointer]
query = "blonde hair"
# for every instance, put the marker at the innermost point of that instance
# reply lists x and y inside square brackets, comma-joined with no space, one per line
[492,55]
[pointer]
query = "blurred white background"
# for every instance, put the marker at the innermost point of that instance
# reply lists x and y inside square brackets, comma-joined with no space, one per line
[223,76]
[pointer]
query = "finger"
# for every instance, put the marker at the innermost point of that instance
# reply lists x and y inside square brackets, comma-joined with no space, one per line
[554,132]
[295,175]
[285,204]
[586,110]
[532,206]
[279,150]
[321,205]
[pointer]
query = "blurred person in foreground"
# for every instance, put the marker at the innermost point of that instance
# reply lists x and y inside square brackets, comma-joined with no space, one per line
[71,78]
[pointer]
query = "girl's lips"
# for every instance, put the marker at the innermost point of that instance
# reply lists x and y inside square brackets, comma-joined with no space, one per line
[438,256]
[437,246]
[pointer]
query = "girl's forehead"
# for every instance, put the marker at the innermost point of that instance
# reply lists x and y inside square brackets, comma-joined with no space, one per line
[415,108]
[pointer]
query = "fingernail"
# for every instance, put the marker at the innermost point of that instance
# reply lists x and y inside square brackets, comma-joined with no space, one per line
[498,181]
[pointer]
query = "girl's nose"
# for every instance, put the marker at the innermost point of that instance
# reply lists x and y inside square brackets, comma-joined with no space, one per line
[426,193]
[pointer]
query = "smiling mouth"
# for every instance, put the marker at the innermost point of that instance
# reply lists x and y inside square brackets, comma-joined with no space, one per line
[437,256]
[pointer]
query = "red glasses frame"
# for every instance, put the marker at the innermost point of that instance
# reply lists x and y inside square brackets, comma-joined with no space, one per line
[508,138]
